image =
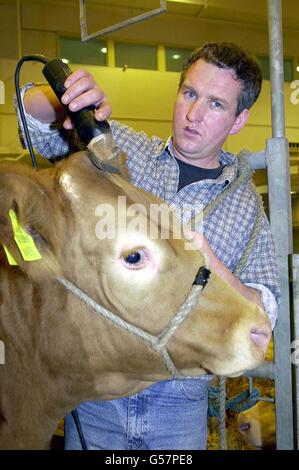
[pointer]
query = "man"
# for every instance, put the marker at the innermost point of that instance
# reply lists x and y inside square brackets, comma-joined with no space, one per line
[220,83]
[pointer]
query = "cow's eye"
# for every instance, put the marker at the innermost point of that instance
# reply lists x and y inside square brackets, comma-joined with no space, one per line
[134,259]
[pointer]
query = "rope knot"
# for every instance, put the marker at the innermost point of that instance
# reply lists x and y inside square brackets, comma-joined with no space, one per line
[238,403]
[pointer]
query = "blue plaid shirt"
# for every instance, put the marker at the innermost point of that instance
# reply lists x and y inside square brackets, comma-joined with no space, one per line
[153,168]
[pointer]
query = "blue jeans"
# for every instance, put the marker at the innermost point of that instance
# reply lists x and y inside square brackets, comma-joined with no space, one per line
[167,415]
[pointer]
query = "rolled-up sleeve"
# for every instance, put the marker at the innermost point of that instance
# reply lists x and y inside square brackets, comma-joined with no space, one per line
[50,140]
[268,301]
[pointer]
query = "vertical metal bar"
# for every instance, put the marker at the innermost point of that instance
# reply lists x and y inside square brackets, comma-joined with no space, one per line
[250,385]
[295,278]
[280,218]
[19,30]
[222,412]
[83,20]
[276,68]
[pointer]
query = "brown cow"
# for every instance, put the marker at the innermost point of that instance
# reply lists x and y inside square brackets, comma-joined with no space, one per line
[58,350]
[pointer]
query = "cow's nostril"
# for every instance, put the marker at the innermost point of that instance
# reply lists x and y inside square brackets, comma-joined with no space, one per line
[244,426]
[260,337]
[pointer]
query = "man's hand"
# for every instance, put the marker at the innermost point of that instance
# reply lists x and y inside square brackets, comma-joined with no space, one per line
[82,90]
[199,240]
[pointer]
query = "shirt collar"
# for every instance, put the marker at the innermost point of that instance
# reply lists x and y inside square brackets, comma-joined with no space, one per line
[229,161]
[164,146]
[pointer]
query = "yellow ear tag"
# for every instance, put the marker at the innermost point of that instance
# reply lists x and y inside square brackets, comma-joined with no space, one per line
[24,241]
[10,258]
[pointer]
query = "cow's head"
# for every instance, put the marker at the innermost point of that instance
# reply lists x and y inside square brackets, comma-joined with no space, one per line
[142,278]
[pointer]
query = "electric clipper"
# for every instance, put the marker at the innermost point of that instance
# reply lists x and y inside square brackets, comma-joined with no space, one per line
[97,135]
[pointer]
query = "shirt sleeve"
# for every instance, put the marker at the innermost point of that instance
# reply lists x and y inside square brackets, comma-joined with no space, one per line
[268,301]
[136,144]
[261,265]
[51,140]
[261,271]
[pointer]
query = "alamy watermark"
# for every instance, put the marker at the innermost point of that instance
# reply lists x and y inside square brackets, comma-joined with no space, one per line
[295,93]
[2,92]
[155,221]
[2,353]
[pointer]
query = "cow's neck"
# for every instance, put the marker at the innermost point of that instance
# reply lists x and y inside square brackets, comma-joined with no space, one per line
[54,369]
[36,390]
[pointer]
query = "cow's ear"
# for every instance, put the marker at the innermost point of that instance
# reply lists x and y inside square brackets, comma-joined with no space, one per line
[29,205]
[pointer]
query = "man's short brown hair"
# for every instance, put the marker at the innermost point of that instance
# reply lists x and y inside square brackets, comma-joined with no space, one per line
[232,57]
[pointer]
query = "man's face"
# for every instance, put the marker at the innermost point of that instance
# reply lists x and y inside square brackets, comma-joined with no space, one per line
[205,114]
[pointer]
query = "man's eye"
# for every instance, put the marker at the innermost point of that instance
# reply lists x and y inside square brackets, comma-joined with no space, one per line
[189,94]
[216,105]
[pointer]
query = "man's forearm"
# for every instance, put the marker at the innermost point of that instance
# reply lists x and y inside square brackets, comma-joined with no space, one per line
[247,292]
[41,103]
[199,240]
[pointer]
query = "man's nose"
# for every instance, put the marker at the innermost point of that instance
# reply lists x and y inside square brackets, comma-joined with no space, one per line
[196,111]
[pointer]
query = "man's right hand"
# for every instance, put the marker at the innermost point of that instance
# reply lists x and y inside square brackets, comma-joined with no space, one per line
[82,91]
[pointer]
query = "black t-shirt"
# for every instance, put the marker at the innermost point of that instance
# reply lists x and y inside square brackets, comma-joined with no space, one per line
[190,173]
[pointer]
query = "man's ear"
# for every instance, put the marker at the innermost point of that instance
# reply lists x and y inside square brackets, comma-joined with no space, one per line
[240,122]
[28,202]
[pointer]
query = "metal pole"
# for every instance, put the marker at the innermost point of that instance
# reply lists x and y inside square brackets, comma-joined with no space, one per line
[19,29]
[280,218]
[265,370]
[222,412]
[295,280]
[276,67]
